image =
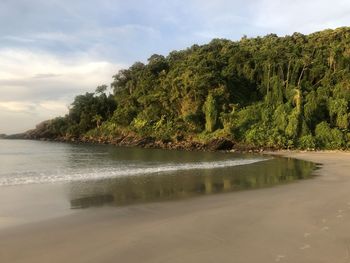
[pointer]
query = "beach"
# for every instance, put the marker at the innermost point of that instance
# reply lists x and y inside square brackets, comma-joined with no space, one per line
[305,221]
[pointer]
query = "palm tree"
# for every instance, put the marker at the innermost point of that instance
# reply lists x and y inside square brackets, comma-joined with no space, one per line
[97,118]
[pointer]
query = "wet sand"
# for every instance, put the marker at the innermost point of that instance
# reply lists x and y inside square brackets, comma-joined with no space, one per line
[306,221]
[25,204]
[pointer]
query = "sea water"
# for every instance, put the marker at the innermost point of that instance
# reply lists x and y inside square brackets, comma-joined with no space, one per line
[96,175]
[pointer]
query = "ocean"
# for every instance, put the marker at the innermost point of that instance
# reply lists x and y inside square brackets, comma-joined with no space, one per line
[99,175]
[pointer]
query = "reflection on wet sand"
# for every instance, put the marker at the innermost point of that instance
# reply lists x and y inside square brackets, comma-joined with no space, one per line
[170,186]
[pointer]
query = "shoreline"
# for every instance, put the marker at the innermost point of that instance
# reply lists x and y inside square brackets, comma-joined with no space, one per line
[301,222]
[214,145]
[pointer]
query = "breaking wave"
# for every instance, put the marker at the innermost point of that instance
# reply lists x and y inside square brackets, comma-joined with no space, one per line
[113,172]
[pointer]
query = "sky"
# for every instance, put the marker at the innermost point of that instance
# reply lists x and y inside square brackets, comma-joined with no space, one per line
[53,50]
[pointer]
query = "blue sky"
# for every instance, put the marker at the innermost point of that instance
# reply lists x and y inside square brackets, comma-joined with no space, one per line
[52,50]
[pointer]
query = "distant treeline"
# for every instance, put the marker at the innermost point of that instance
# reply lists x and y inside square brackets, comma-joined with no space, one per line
[280,92]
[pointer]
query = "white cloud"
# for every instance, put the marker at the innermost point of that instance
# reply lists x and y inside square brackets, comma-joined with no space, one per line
[37,85]
[16,64]
[54,106]
[290,16]
[17,106]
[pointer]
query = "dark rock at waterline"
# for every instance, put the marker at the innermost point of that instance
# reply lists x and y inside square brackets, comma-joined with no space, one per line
[145,142]
[220,145]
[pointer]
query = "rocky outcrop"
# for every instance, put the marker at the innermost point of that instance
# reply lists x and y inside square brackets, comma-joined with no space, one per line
[133,140]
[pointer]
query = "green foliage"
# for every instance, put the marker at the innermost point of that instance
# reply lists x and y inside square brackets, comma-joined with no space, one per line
[124,116]
[193,122]
[327,137]
[139,123]
[264,136]
[86,112]
[292,129]
[280,117]
[338,111]
[97,119]
[107,129]
[211,113]
[307,142]
[59,126]
[243,119]
[256,136]
[270,91]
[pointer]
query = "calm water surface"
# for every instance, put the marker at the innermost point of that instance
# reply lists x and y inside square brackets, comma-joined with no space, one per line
[95,175]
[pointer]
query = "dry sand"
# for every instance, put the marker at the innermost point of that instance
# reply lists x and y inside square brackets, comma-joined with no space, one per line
[307,221]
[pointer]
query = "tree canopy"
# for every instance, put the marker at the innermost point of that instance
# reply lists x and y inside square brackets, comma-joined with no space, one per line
[282,92]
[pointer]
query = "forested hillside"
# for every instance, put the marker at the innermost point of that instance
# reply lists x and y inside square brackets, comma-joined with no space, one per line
[280,92]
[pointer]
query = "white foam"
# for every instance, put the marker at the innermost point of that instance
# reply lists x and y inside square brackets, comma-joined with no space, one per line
[105,173]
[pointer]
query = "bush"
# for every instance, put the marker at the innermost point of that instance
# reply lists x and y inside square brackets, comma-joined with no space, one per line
[256,136]
[139,123]
[327,137]
[276,139]
[307,142]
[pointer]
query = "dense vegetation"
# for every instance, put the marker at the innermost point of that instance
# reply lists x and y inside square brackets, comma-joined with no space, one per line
[281,92]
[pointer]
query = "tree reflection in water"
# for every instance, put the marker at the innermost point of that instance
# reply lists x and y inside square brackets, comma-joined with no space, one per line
[175,185]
